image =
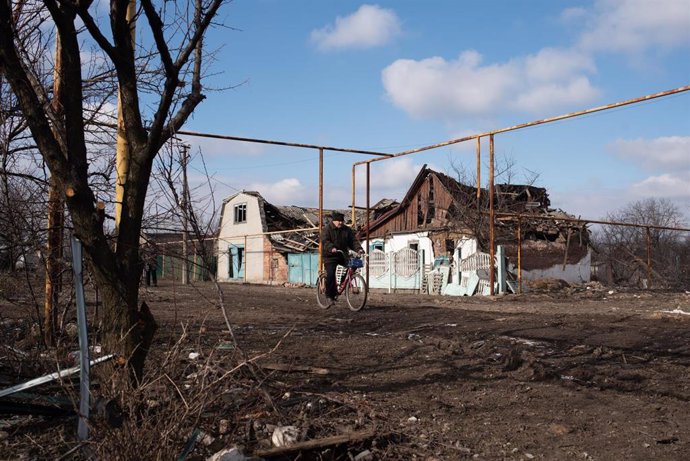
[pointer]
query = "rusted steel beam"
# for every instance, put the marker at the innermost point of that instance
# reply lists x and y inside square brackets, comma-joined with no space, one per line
[353,197]
[519,255]
[582,221]
[280,143]
[539,122]
[367,217]
[479,169]
[320,205]
[649,259]
[492,250]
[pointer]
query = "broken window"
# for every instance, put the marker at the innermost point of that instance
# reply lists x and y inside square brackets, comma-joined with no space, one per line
[450,246]
[240,213]
[414,246]
[431,211]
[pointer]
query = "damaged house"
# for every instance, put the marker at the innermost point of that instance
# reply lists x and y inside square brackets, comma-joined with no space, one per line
[259,242]
[437,238]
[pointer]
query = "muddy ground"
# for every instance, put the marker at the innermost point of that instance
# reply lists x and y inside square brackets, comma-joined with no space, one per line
[575,373]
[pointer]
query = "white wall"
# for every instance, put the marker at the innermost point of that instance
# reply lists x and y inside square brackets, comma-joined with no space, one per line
[399,241]
[233,234]
[573,273]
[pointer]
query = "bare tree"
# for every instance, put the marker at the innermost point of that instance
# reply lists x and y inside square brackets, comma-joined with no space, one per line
[624,249]
[63,142]
[509,196]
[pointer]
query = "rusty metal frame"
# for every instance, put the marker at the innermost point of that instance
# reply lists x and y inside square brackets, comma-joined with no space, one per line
[491,134]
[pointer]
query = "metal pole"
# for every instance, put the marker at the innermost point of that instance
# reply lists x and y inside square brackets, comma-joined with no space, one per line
[83,427]
[244,260]
[353,196]
[479,170]
[279,143]
[367,217]
[581,221]
[185,236]
[519,255]
[649,258]
[320,204]
[492,251]
[538,122]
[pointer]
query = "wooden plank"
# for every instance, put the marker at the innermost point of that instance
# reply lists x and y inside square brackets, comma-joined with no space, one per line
[317,443]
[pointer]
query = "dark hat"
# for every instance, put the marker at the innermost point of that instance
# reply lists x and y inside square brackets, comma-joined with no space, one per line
[337,216]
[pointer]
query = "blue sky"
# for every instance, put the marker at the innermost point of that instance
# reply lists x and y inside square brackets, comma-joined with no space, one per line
[395,75]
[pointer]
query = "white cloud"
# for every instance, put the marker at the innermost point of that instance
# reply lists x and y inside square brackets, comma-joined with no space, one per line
[537,84]
[669,152]
[394,173]
[368,27]
[670,185]
[633,26]
[288,191]
[573,14]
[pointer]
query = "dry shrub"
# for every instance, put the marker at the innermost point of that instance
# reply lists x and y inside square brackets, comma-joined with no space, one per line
[178,397]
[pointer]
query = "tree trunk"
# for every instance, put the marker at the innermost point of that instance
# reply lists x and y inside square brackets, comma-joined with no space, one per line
[128,329]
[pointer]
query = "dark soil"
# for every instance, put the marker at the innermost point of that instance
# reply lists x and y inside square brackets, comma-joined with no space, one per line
[575,374]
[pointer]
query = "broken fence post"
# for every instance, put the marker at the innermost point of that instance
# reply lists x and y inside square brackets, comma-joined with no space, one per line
[82,428]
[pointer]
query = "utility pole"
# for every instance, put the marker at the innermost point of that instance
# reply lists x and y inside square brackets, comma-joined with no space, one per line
[184,205]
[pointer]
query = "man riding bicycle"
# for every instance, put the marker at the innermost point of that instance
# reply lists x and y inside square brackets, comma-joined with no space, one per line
[336,240]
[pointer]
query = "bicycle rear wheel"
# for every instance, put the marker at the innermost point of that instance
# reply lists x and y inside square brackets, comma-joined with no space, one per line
[356,292]
[321,298]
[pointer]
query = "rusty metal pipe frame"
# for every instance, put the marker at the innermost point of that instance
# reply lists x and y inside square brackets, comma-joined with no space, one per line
[582,221]
[367,218]
[320,205]
[537,122]
[353,197]
[479,169]
[649,259]
[280,143]
[519,255]
[647,228]
[492,250]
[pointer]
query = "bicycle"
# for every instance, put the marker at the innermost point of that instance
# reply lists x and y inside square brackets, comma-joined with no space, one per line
[351,283]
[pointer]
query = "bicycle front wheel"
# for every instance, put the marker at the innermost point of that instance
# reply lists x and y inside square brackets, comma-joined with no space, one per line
[321,298]
[356,292]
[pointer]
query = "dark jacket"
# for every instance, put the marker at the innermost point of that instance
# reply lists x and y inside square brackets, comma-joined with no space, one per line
[342,238]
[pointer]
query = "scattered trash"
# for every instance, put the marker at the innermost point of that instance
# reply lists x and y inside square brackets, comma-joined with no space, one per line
[366,455]
[225,346]
[676,311]
[477,344]
[414,337]
[284,436]
[228,454]
[223,426]
[611,292]
[194,355]
[412,419]
[668,441]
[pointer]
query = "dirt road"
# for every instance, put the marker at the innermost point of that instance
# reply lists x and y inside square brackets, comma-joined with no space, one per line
[593,374]
[579,374]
